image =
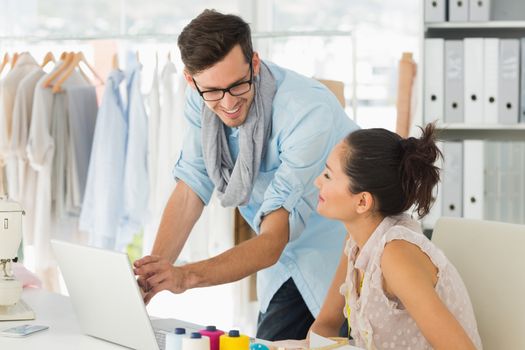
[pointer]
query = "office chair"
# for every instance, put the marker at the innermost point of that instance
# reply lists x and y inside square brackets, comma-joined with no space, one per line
[490,257]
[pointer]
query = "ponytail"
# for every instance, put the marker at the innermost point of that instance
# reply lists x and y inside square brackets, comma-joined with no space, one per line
[419,175]
[398,172]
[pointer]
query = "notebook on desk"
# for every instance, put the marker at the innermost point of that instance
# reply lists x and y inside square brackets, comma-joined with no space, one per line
[106,297]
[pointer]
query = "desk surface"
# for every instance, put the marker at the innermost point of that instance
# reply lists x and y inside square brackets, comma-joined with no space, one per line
[55,311]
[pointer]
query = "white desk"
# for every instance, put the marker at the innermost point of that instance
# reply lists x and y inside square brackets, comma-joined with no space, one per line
[55,311]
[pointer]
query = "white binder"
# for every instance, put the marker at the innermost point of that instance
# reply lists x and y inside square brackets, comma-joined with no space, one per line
[458,10]
[454,82]
[491,96]
[434,101]
[509,81]
[479,10]
[452,201]
[474,80]
[435,10]
[522,104]
[473,175]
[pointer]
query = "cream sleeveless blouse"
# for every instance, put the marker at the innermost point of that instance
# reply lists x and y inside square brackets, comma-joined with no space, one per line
[378,322]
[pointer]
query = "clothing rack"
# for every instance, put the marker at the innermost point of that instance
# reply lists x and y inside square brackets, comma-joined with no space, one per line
[172,37]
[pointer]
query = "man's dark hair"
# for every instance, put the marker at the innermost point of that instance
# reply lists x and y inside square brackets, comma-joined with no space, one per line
[210,36]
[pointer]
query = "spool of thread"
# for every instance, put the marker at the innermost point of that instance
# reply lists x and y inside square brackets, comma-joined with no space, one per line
[258,346]
[196,342]
[234,341]
[214,334]
[174,340]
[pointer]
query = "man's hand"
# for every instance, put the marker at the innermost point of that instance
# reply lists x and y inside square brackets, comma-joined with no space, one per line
[157,274]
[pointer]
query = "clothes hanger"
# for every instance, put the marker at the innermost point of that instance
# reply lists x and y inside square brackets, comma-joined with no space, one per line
[90,67]
[4,63]
[114,62]
[14,59]
[67,58]
[49,57]
[77,59]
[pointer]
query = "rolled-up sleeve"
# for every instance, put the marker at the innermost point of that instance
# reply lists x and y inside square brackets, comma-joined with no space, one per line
[304,148]
[190,166]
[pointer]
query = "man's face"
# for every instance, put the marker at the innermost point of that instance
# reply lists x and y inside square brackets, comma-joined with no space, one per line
[233,69]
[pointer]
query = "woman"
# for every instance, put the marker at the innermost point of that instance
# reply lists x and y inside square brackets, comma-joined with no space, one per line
[397,288]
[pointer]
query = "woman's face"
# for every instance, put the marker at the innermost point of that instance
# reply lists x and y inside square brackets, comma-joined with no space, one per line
[335,199]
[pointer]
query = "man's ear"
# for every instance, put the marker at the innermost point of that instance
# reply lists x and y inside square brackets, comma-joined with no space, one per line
[366,202]
[256,64]
[188,78]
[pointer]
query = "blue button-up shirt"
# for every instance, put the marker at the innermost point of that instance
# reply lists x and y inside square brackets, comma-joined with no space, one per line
[307,121]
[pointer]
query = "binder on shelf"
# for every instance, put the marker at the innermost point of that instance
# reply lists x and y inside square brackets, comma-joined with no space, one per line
[479,10]
[491,187]
[474,81]
[452,200]
[434,101]
[458,10]
[491,71]
[473,175]
[454,82]
[435,10]
[522,104]
[509,81]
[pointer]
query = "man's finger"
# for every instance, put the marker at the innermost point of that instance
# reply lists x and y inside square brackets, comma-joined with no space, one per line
[143,283]
[147,269]
[158,278]
[148,259]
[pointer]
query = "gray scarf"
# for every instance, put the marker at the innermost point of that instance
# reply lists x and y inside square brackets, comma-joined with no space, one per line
[234,182]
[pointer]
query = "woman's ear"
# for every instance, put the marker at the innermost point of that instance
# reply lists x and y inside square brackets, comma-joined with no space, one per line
[366,202]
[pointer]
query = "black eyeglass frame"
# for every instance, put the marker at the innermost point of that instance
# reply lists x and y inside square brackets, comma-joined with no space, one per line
[228,89]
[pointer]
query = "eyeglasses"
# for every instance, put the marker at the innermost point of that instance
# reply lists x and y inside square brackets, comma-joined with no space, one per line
[236,89]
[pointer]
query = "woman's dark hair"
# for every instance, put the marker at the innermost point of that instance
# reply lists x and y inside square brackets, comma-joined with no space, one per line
[209,37]
[397,172]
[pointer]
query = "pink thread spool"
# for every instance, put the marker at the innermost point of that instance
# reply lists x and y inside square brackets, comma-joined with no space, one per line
[214,334]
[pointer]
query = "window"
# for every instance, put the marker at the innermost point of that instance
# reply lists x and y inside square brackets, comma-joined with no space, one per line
[382,31]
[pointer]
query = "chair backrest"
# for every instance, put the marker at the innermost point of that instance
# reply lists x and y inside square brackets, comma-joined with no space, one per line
[490,257]
[336,87]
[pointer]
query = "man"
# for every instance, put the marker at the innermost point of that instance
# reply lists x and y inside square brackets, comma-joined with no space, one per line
[258,134]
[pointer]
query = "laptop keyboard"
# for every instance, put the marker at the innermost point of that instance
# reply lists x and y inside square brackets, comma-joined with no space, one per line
[161,339]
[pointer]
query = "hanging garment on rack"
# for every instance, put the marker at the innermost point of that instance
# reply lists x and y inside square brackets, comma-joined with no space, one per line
[170,127]
[42,151]
[22,112]
[39,153]
[103,198]
[136,180]
[65,177]
[153,112]
[9,85]
[83,109]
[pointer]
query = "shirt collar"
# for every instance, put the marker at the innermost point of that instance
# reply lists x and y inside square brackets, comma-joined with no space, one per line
[366,253]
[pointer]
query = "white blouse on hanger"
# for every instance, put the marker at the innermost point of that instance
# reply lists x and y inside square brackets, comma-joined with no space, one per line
[25,65]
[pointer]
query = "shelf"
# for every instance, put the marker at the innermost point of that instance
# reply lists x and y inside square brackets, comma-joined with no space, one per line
[515,132]
[477,25]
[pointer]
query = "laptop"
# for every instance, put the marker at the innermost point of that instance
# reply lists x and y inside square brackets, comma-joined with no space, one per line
[107,300]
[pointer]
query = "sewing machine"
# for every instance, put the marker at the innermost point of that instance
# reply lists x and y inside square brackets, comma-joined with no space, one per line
[11,307]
